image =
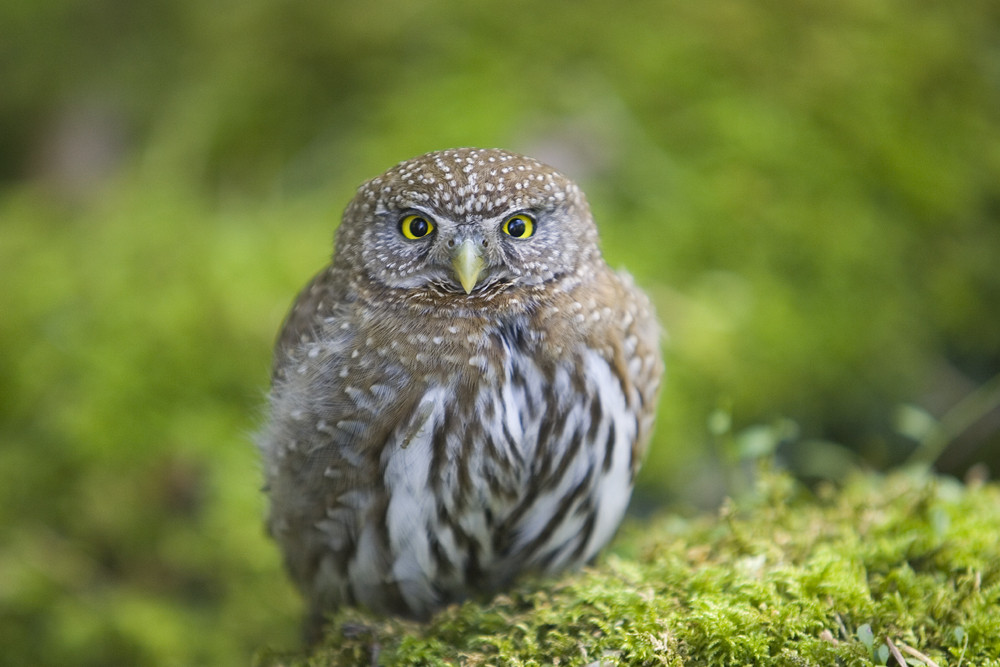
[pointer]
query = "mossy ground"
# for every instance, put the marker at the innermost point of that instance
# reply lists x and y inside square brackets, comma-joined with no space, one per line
[786,577]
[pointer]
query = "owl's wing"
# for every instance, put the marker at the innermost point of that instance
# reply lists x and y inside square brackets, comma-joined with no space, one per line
[333,409]
[312,305]
[640,359]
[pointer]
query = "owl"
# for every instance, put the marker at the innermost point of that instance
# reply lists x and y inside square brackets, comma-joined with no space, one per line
[463,395]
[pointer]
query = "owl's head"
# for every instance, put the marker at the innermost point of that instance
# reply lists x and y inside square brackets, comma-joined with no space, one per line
[468,222]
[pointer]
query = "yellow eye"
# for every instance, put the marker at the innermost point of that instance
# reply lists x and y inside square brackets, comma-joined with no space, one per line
[520,226]
[416,226]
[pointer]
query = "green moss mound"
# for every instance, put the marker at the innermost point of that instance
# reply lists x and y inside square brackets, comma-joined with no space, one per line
[905,565]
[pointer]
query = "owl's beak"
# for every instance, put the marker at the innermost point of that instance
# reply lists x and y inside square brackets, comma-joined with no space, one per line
[468,264]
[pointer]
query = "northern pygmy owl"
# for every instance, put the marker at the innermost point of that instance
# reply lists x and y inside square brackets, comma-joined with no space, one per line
[464,394]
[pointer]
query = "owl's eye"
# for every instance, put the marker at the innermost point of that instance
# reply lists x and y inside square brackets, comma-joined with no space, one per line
[520,226]
[416,226]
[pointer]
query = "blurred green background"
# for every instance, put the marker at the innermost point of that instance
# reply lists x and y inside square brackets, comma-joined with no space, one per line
[809,191]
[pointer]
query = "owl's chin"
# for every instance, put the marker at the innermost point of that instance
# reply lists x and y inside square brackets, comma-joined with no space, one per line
[449,288]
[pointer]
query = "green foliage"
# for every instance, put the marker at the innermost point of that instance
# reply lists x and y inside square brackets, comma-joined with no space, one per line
[128,485]
[783,578]
[809,192]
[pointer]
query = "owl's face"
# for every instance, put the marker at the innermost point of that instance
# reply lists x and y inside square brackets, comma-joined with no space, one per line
[467,222]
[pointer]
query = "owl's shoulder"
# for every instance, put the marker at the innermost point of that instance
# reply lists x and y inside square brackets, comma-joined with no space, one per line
[598,311]
[321,301]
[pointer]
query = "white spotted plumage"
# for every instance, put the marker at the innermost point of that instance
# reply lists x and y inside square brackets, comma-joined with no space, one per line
[428,441]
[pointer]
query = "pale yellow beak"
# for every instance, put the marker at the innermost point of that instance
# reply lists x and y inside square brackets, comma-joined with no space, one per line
[468,264]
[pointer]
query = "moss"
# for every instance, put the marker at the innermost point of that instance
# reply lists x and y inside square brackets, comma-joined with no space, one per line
[785,577]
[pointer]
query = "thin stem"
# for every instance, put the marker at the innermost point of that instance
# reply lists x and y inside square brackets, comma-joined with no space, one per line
[956,421]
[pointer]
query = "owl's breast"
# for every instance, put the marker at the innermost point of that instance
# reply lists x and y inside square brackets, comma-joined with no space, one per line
[468,448]
[516,460]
